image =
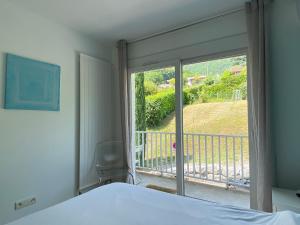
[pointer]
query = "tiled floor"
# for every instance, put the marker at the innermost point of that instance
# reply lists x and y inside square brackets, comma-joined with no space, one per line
[202,191]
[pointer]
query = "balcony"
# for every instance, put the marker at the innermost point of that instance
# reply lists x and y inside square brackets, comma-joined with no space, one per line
[216,166]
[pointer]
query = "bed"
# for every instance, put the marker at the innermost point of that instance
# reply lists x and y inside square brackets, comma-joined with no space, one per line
[123,204]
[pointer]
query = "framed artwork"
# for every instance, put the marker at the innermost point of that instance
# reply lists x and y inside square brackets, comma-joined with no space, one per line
[31,84]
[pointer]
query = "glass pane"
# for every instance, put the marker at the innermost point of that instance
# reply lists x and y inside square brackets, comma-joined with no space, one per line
[215,125]
[153,107]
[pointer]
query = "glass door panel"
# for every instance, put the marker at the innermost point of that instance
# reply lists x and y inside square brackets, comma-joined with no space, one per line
[215,130]
[154,128]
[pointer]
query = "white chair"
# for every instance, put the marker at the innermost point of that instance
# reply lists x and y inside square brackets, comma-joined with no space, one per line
[109,159]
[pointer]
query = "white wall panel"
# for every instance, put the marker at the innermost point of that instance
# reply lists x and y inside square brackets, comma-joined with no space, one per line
[95,112]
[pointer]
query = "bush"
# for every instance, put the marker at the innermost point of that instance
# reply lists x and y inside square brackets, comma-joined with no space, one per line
[150,88]
[226,86]
[204,98]
[158,107]
[188,98]
[191,94]
[243,89]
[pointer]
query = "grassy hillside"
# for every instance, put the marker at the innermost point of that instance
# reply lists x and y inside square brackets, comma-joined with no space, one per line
[212,118]
[227,118]
[214,67]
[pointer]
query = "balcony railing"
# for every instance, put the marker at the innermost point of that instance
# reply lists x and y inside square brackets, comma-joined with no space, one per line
[210,157]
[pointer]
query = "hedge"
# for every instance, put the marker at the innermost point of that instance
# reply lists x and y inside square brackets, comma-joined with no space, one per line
[226,86]
[160,105]
[191,94]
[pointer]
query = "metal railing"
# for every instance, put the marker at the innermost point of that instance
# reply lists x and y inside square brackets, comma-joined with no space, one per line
[212,157]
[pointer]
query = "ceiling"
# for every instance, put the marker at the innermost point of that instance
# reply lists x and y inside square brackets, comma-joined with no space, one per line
[111,20]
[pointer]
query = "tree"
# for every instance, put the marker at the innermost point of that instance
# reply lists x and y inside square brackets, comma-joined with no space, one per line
[239,61]
[154,76]
[140,107]
[140,102]
[150,88]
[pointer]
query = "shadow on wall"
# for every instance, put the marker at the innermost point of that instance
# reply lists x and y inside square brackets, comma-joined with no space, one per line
[298,9]
[2,78]
[77,120]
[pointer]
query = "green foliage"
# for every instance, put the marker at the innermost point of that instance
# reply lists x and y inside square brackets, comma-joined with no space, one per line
[154,76]
[190,95]
[150,88]
[239,60]
[160,102]
[226,86]
[188,73]
[243,88]
[158,107]
[213,68]
[160,76]
[209,81]
[172,81]
[210,68]
[140,102]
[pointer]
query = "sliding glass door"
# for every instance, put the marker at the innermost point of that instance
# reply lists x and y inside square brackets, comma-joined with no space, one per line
[215,130]
[190,128]
[154,127]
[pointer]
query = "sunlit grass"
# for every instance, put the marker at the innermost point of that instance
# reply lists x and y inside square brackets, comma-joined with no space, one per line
[218,118]
[214,118]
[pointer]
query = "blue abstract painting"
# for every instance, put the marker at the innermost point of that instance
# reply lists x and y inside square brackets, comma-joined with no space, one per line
[31,84]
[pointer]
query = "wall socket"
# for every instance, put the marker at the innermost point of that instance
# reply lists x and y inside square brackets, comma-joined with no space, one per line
[24,203]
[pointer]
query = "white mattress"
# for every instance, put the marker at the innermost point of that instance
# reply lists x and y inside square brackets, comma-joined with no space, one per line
[122,204]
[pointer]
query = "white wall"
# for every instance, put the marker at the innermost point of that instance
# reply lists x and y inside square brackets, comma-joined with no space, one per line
[39,149]
[285,91]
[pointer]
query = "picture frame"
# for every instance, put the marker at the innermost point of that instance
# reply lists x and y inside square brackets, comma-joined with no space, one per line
[31,84]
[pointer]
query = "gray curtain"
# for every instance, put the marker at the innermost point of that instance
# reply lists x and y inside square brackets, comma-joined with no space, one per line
[124,81]
[259,135]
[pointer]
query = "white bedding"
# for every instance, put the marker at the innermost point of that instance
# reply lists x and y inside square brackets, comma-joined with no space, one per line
[122,204]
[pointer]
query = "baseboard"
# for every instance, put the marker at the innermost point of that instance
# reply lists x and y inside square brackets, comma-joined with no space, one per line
[88,188]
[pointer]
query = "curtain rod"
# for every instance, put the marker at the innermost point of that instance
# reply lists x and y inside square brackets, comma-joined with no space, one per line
[187,25]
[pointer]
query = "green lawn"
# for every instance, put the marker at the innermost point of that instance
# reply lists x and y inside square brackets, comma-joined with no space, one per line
[226,118]
[211,118]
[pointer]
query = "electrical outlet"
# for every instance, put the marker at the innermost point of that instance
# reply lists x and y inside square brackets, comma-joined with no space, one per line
[24,203]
